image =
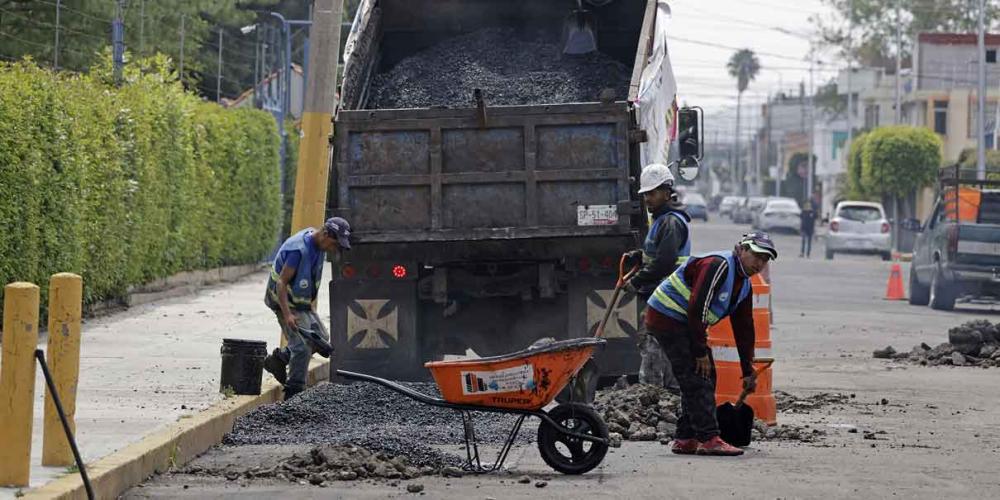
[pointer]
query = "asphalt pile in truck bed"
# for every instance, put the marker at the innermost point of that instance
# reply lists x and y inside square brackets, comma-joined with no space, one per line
[370,416]
[974,343]
[509,68]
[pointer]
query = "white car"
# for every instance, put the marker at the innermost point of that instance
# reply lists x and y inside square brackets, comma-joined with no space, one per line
[859,227]
[727,204]
[778,213]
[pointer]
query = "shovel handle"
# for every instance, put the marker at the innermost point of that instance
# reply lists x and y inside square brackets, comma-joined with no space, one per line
[767,364]
[623,278]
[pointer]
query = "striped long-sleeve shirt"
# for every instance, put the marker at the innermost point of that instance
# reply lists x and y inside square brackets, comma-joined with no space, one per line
[706,275]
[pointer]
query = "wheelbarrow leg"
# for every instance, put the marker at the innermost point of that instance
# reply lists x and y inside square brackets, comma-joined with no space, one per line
[472,461]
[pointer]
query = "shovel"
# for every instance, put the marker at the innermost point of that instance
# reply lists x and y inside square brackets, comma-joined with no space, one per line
[736,421]
[623,278]
[579,32]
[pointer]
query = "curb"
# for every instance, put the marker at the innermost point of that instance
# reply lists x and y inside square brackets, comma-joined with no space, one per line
[176,445]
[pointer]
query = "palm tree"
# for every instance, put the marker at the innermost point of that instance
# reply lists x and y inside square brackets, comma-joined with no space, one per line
[744,67]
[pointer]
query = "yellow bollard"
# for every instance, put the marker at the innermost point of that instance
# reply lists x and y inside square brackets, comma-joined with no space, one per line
[17,382]
[65,309]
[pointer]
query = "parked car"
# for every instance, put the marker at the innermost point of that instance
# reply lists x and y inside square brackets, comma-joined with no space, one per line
[859,227]
[957,251]
[727,204]
[743,214]
[695,205]
[778,213]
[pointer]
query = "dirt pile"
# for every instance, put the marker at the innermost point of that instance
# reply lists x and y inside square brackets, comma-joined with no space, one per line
[510,67]
[330,463]
[790,403]
[786,432]
[639,412]
[975,343]
[370,416]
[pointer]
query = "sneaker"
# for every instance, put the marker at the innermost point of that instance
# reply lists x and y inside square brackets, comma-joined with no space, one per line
[276,367]
[717,447]
[685,446]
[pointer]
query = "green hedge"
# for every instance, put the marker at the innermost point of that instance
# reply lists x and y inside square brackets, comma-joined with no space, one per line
[128,184]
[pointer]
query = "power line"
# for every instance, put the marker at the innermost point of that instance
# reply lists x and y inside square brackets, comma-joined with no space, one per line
[729,47]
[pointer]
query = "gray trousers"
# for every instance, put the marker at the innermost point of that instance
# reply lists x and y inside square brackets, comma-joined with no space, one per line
[654,367]
[298,352]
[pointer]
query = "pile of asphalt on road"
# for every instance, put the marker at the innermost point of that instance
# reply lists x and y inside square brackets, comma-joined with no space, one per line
[975,343]
[786,432]
[638,412]
[511,68]
[372,417]
[790,403]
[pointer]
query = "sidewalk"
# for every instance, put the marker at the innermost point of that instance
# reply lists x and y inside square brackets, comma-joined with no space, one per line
[152,365]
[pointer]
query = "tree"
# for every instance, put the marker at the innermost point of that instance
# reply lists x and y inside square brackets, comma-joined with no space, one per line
[744,67]
[898,160]
[874,38]
[855,187]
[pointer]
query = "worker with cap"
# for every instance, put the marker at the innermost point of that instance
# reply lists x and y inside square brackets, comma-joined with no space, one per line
[702,292]
[667,246]
[291,293]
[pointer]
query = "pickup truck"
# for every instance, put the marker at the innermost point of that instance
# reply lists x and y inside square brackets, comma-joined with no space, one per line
[957,251]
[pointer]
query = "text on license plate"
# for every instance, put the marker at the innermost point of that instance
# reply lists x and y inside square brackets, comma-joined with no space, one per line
[596,215]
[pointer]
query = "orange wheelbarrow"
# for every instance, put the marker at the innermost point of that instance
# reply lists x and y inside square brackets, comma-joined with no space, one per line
[572,437]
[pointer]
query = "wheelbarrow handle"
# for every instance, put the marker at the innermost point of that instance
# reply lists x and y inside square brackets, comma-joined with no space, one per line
[623,278]
[767,364]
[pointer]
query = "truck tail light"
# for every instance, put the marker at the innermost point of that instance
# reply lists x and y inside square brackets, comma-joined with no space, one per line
[348,272]
[834,226]
[885,227]
[953,240]
[399,271]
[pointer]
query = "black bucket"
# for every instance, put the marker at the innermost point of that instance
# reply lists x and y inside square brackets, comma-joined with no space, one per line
[242,366]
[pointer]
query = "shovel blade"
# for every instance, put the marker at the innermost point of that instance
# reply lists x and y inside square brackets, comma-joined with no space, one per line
[580,37]
[735,423]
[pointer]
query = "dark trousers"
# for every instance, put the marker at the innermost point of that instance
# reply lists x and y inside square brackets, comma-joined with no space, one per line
[697,418]
[807,244]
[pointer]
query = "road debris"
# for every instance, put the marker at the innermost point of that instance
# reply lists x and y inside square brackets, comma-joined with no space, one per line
[974,343]
[785,432]
[511,67]
[790,403]
[639,412]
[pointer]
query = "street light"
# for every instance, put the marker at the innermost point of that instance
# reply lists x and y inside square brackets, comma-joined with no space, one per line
[250,28]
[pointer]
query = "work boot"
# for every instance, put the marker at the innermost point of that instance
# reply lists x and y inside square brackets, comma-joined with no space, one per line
[685,446]
[290,392]
[276,366]
[717,447]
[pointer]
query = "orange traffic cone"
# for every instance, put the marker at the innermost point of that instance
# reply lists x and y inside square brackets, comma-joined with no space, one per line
[894,291]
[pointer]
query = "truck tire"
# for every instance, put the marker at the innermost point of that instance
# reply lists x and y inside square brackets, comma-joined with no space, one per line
[920,295]
[942,296]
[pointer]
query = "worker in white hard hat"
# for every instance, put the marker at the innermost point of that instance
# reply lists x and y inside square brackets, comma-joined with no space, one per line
[666,247]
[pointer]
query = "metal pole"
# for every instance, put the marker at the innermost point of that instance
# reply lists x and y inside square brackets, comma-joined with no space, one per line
[737,178]
[55,55]
[256,69]
[218,72]
[142,27]
[118,41]
[810,167]
[980,114]
[181,73]
[897,117]
[40,356]
[781,166]
[850,91]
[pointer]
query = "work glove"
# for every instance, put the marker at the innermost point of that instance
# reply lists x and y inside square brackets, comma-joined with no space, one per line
[632,259]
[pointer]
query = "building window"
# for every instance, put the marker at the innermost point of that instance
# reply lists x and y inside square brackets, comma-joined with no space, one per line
[941,117]
[871,116]
[991,56]
[990,117]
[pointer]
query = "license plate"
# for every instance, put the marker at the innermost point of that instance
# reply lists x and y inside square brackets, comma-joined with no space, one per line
[596,215]
[861,243]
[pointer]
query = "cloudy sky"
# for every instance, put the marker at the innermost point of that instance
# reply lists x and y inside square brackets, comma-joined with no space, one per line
[705,33]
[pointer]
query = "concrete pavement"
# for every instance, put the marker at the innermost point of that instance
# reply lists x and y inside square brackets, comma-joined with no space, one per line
[152,365]
[934,431]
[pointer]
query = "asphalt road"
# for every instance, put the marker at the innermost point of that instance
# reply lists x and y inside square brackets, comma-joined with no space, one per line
[936,430]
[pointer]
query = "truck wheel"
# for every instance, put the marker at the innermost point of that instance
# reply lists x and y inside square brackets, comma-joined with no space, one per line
[568,454]
[942,296]
[829,254]
[920,295]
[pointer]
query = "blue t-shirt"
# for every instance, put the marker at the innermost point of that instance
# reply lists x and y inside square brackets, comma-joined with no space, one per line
[294,257]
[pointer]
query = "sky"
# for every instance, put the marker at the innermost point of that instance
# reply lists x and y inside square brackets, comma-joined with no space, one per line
[705,33]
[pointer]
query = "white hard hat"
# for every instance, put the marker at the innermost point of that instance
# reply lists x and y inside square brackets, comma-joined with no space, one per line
[653,176]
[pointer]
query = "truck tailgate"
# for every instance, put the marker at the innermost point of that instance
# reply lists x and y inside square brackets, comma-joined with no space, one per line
[979,245]
[455,174]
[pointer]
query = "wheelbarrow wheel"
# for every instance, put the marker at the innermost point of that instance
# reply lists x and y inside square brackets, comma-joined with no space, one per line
[568,454]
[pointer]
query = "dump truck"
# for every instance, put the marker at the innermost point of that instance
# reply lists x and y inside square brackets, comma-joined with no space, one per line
[483,228]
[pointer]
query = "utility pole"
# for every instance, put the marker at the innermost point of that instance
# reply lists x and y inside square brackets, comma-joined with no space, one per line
[218,72]
[980,114]
[810,167]
[142,27]
[781,166]
[737,175]
[897,117]
[181,69]
[118,41]
[850,91]
[317,116]
[55,54]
